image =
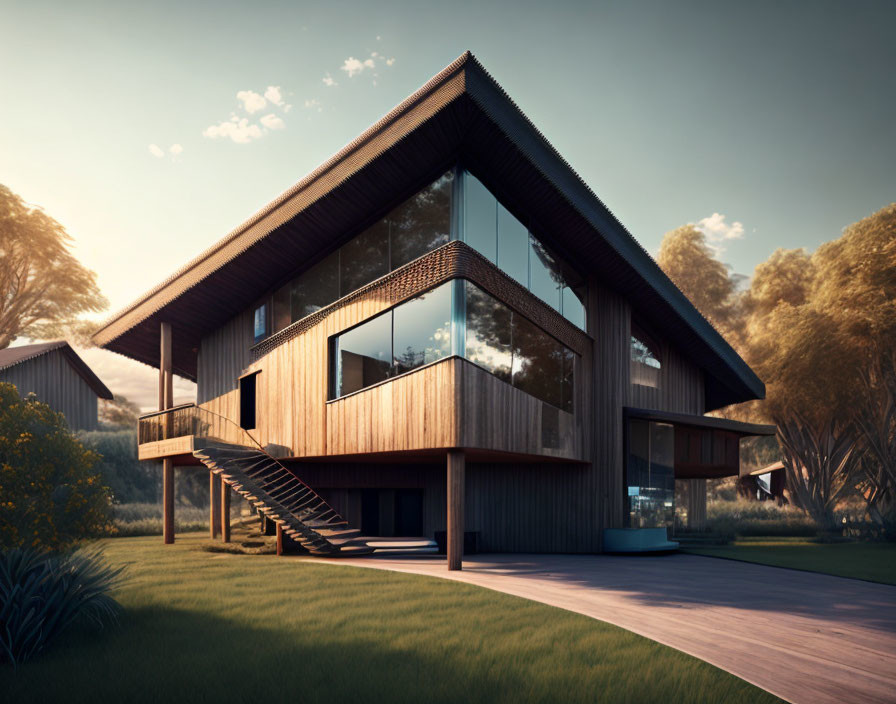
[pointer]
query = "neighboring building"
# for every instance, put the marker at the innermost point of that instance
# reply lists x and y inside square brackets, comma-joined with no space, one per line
[444,291]
[58,377]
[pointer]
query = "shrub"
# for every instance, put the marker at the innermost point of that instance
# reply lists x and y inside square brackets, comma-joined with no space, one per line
[50,492]
[146,519]
[129,479]
[41,594]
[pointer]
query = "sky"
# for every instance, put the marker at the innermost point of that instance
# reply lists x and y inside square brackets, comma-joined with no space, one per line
[151,130]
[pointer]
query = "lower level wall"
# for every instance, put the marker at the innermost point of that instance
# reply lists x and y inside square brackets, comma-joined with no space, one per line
[515,507]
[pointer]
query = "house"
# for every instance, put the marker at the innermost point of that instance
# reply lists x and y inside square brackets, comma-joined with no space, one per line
[55,373]
[441,328]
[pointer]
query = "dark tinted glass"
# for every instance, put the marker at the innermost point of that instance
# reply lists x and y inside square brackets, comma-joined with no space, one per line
[480,218]
[364,355]
[573,310]
[364,258]
[567,380]
[513,246]
[544,274]
[282,316]
[488,333]
[422,223]
[422,329]
[260,322]
[316,288]
[537,362]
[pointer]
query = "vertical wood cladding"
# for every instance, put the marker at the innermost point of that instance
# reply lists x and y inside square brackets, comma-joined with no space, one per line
[57,384]
[540,506]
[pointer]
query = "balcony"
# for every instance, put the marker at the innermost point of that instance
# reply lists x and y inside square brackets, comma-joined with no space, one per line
[167,433]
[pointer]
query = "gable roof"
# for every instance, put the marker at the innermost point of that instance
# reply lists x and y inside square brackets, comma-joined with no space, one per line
[12,356]
[460,114]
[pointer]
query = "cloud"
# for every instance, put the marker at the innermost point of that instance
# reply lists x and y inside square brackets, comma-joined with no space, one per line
[176,149]
[272,122]
[391,61]
[252,101]
[240,130]
[274,95]
[329,81]
[353,66]
[718,232]
[156,151]
[313,104]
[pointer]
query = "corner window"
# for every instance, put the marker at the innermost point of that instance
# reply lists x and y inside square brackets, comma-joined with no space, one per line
[650,474]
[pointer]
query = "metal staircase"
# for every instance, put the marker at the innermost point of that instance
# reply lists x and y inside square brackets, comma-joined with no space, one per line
[229,451]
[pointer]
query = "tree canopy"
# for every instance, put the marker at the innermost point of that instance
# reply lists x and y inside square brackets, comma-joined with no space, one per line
[45,289]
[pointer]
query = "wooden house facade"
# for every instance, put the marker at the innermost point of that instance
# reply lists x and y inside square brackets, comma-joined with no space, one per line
[441,329]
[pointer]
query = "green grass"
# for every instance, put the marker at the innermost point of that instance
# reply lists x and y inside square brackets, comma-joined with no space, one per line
[875,562]
[207,627]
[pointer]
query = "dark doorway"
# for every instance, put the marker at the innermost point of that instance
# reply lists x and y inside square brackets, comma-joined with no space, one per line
[409,512]
[370,512]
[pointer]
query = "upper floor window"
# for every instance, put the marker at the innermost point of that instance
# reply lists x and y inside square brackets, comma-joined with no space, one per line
[454,318]
[419,225]
[495,233]
[260,322]
[645,364]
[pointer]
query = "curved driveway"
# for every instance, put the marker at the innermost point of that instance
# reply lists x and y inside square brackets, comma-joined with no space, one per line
[808,638]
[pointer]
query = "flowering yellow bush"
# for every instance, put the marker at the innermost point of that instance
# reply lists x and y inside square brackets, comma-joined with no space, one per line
[50,492]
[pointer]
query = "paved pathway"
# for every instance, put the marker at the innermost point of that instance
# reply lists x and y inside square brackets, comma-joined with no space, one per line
[808,638]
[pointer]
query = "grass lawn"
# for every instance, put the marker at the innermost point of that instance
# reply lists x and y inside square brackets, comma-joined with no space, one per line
[214,627]
[875,562]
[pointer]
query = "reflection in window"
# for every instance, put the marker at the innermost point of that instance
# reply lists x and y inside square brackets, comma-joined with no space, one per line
[364,258]
[494,232]
[516,350]
[364,355]
[422,330]
[650,474]
[645,364]
[408,336]
[488,333]
[417,226]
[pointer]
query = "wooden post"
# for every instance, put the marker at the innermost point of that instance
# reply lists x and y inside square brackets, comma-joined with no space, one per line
[279,539]
[166,391]
[225,512]
[696,504]
[168,501]
[214,505]
[456,491]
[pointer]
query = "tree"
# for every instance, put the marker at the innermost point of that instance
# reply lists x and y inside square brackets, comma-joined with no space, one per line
[50,492]
[119,413]
[44,288]
[693,267]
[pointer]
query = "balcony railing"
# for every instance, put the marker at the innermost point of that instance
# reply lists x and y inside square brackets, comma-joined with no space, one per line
[189,420]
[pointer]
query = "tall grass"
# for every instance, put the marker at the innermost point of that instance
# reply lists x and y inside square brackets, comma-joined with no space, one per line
[741,517]
[42,594]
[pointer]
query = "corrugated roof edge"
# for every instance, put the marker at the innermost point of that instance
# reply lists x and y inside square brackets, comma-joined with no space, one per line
[311,177]
[625,244]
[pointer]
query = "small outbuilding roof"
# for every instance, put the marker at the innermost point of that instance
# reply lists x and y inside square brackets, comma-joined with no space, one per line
[11,356]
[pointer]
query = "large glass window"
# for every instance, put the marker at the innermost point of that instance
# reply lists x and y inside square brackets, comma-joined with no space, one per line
[650,474]
[422,223]
[417,226]
[422,330]
[429,328]
[408,336]
[364,355]
[645,364]
[488,337]
[516,350]
[494,232]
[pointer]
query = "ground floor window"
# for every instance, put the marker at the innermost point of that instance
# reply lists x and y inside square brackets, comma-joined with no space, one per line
[650,474]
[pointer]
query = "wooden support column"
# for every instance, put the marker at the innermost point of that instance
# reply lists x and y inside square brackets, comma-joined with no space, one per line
[456,491]
[696,504]
[166,392]
[279,539]
[214,505]
[225,512]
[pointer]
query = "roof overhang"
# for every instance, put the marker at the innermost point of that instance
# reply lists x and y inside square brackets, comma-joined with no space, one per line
[463,115]
[708,422]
